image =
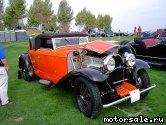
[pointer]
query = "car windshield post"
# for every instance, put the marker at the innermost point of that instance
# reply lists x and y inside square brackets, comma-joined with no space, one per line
[67,40]
[81,39]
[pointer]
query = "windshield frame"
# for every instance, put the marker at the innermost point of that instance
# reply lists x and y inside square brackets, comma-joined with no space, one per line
[68,39]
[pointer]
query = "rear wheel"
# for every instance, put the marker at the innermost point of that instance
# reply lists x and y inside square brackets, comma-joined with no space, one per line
[143,82]
[88,97]
[27,73]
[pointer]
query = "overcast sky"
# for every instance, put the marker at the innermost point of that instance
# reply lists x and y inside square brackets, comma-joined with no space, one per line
[126,14]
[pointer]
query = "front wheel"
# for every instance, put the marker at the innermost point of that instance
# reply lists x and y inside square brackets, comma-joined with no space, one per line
[143,82]
[88,97]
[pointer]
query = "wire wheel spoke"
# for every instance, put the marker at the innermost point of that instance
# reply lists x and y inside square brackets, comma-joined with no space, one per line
[139,81]
[84,98]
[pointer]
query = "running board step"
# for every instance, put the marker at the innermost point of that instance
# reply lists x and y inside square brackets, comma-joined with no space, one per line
[44,82]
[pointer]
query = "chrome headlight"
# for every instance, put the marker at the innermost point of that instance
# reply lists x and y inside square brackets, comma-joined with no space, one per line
[109,63]
[130,59]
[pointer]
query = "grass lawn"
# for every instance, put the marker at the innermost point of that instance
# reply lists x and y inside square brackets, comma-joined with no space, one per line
[116,38]
[37,104]
[36,32]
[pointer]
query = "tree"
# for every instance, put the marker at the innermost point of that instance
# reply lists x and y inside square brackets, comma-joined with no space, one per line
[1,14]
[40,12]
[19,8]
[14,12]
[1,9]
[65,14]
[107,21]
[52,23]
[86,18]
[10,17]
[81,17]
[10,2]
[104,21]
[100,22]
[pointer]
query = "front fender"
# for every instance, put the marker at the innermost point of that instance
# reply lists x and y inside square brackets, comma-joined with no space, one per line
[140,64]
[92,74]
[89,73]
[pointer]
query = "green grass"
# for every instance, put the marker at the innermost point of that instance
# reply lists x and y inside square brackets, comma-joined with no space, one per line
[38,104]
[36,32]
[116,38]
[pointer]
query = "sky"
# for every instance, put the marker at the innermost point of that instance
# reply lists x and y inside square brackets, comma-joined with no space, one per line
[126,14]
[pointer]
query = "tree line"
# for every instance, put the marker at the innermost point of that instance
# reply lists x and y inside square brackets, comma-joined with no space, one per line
[41,12]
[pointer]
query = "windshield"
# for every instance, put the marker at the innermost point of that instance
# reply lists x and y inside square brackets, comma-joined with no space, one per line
[68,41]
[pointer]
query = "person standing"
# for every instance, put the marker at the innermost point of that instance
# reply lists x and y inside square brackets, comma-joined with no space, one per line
[135,31]
[4,79]
[139,32]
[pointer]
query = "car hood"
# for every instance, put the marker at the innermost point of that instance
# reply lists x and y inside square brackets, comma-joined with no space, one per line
[99,46]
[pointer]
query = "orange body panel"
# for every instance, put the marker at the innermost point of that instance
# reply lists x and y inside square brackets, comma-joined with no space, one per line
[124,89]
[51,64]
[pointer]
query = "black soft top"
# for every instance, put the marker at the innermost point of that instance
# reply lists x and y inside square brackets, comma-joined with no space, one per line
[61,35]
[42,38]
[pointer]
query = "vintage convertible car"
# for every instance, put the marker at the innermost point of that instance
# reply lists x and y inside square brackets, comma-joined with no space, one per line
[151,50]
[102,74]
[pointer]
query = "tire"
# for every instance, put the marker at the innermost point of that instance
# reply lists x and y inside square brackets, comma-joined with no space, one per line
[143,82]
[88,97]
[25,73]
[124,42]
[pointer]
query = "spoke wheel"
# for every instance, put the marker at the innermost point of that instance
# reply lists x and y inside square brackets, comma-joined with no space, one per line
[88,97]
[143,82]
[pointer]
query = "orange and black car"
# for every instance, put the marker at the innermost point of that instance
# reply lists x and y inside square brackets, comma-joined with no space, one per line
[102,73]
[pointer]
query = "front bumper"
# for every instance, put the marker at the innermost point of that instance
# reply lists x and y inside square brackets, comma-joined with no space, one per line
[127,97]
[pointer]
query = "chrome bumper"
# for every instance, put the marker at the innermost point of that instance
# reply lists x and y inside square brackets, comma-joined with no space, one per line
[127,97]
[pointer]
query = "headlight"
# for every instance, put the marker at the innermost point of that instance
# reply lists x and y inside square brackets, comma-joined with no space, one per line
[109,63]
[129,58]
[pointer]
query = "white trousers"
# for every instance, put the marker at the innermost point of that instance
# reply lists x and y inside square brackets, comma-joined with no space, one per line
[3,86]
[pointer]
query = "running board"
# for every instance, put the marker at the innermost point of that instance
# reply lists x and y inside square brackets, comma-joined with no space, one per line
[127,97]
[44,82]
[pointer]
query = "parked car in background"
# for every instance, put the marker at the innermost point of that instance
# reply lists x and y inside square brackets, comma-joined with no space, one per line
[151,50]
[159,33]
[121,34]
[105,33]
[147,34]
[92,33]
[102,74]
[102,33]
[109,33]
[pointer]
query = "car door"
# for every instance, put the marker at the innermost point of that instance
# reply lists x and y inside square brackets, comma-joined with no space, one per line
[45,57]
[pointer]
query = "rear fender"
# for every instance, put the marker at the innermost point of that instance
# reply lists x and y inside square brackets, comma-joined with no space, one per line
[24,58]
